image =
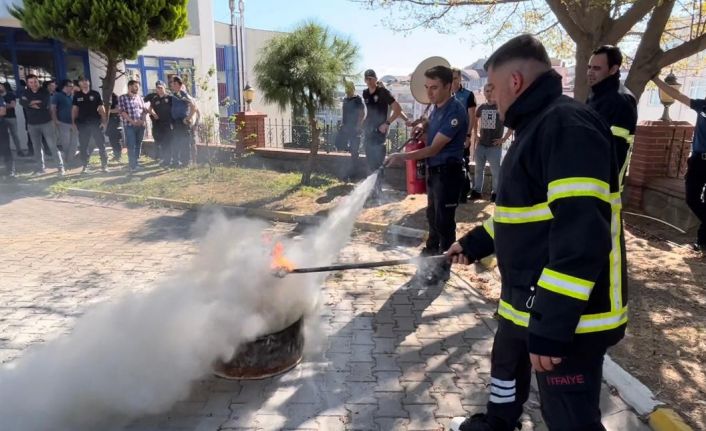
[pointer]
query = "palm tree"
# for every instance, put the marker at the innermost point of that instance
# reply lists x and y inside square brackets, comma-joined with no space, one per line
[302,69]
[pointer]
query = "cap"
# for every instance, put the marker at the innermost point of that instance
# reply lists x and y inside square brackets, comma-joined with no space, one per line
[370,73]
[160,83]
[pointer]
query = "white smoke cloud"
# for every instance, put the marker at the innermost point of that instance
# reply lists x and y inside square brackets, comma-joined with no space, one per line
[140,354]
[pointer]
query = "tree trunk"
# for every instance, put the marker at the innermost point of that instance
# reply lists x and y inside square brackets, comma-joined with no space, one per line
[111,71]
[313,146]
[641,72]
[584,48]
[649,53]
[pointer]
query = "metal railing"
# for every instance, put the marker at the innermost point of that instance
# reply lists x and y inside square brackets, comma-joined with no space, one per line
[280,133]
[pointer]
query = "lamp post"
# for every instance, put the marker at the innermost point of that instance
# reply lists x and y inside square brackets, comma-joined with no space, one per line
[249,94]
[665,98]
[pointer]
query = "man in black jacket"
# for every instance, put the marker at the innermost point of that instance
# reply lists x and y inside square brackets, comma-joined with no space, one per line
[557,235]
[615,103]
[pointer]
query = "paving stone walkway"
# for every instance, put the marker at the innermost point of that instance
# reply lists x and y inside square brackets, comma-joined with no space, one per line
[395,357]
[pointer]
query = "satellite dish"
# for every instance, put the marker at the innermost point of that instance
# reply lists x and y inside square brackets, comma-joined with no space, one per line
[416,82]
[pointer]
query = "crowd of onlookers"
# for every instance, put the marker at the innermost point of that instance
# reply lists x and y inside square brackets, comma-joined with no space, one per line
[67,120]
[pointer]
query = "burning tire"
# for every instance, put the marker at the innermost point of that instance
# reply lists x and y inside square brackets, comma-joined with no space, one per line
[266,356]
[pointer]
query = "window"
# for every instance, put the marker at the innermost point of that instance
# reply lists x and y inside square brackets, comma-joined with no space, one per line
[653,95]
[151,62]
[698,89]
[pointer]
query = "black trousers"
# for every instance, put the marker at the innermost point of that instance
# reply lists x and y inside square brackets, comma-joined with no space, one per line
[5,150]
[444,185]
[375,152]
[86,131]
[348,139]
[114,136]
[162,133]
[695,181]
[569,394]
[181,143]
[466,188]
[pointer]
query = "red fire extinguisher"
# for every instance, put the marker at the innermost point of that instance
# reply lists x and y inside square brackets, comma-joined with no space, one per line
[416,169]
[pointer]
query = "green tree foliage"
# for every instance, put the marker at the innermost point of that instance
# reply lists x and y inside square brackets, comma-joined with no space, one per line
[114,29]
[303,69]
[653,33]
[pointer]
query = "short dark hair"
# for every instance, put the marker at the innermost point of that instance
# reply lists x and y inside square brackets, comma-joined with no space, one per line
[177,80]
[442,73]
[522,47]
[64,83]
[612,53]
[30,76]
[132,81]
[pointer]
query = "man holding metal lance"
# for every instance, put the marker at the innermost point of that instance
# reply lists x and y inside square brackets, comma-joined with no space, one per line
[557,234]
[446,131]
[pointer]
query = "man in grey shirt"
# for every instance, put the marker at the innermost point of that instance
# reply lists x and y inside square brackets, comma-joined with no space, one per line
[37,102]
[489,144]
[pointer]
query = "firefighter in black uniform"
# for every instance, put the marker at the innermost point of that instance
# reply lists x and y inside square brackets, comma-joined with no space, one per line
[615,103]
[557,235]
[446,129]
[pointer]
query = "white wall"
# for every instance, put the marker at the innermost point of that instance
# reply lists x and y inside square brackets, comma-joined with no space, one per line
[255,40]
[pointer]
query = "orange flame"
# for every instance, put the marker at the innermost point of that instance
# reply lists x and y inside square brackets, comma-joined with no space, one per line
[279,262]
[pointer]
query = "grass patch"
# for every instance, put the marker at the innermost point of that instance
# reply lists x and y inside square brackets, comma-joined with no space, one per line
[223,185]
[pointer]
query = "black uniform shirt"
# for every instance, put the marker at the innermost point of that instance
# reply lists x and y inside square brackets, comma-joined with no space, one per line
[377,105]
[162,106]
[88,104]
[9,98]
[39,115]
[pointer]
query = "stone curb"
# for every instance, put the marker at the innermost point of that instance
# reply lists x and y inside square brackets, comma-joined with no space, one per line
[279,216]
[638,396]
[666,419]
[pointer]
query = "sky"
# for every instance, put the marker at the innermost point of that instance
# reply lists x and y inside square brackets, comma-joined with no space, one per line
[381,49]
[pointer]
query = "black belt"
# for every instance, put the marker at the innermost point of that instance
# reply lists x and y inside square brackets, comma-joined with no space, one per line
[696,155]
[448,167]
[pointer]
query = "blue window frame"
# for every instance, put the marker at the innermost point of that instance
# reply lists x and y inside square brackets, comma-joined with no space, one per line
[150,68]
[20,55]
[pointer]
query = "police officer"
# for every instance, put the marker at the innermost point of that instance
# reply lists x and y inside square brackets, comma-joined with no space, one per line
[695,178]
[348,138]
[378,101]
[88,116]
[160,110]
[468,100]
[446,131]
[5,151]
[182,112]
[557,235]
[615,103]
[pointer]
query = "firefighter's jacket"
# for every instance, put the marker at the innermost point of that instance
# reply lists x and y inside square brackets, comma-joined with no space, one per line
[618,107]
[557,229]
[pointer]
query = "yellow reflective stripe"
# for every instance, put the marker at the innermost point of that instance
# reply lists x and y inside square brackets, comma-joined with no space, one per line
[622,132]
[578,186]
[588,323]
[626,164]
[520,318]
[488,225]
[602,321]
[615,257]
[539,212]
[565,284]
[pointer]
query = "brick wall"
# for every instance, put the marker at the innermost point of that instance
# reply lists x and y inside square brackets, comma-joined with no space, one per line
[650,156]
